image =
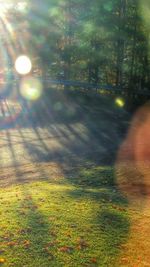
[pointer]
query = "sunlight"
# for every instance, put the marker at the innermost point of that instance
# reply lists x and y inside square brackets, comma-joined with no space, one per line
[22,6]
[23,65]
[4,7]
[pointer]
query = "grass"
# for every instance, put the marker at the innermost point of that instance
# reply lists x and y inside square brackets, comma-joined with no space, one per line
[71,212]
[78,222]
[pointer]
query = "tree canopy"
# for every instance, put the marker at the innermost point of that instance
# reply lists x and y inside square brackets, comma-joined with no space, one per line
[100,42]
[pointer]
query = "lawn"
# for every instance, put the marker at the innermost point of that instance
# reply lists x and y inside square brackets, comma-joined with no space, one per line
[76,221]
[68,198]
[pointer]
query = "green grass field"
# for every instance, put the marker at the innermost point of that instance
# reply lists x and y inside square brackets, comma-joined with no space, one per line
[78,222]
[62,190]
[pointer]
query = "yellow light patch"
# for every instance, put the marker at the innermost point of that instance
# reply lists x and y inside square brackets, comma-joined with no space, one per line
[120,102]
[23,65]
[31,88]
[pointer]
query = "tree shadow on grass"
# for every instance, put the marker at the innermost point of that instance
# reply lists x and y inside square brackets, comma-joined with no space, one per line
[34,231]
[115,227]
[93,176]
[111,219]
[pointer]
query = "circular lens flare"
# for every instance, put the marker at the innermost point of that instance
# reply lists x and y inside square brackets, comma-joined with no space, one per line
[23,65]
[120,102]
[31,88]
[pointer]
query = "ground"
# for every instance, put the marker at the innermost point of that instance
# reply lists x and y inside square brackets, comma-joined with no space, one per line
[63,200]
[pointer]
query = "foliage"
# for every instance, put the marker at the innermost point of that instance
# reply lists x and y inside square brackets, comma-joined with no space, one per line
[101,42]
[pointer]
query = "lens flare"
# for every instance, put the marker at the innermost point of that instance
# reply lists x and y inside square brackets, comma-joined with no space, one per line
[23,65]
[133,159]
[2,8]
[120,102]
[22,6]
[31,88]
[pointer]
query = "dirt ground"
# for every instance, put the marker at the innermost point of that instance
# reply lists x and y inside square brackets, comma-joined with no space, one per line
[60,132]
